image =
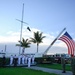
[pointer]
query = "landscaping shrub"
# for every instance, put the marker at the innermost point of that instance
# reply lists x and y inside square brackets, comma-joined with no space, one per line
[6,61]
[44,60]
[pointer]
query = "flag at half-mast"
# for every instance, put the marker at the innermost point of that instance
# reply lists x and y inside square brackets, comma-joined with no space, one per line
[69,42]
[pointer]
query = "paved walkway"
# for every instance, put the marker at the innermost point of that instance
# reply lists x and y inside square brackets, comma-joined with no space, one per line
[59,72]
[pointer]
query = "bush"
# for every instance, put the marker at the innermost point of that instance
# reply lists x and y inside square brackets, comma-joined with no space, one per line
[6,61]
[44,60]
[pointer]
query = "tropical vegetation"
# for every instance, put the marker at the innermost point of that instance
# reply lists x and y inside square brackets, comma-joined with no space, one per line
[37,38]
[24,44]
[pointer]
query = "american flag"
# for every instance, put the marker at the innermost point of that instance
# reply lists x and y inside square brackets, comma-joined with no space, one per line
[69,42]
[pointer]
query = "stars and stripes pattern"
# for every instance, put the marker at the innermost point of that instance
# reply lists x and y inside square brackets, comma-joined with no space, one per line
[69,42]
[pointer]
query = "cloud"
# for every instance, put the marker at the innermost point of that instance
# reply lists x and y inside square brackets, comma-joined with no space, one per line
[58,50]
[15,37]
[12,38]
[4,39]
[61,44]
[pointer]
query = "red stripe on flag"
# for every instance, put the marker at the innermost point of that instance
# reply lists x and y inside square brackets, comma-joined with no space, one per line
[69,42]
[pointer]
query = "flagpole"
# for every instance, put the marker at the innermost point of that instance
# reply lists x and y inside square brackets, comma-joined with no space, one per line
[21,26]
[54,41]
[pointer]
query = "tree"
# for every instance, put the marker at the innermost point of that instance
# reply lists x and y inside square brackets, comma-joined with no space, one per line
[24,44]
[37,38]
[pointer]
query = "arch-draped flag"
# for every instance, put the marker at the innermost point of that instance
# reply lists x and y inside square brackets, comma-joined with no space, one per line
[69,42]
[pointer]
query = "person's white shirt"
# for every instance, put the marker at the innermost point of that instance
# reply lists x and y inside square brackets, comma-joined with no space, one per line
[15,56]
[26,58]
[23,59]
[33,58]
[29,61]
[19,59]
[11,60]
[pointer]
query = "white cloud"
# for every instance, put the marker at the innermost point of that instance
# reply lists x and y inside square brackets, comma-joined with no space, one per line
[10,32]
[8,39]
[58,50]
[60,43]
[14,37]
[35,30]
[48,39]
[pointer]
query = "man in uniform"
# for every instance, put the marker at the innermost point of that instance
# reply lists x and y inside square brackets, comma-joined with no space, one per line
[19,59]
[3,61]
[15,61]
[23,59]
[26,58]
[63,64]
[33,58]
[11,60]
[29,61]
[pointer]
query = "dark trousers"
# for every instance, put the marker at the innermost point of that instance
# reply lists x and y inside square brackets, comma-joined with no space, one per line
[15,62]
[63,67]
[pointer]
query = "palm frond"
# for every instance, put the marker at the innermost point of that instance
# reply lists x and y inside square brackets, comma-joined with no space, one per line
[18,45]
[32,40]
[37,38]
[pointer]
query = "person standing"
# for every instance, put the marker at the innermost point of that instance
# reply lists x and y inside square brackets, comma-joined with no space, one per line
[33,58]
[15,61]
[29,62]
[11,59]
[26,58]
[63,64]
[3,61]
[23,59]
[19,59]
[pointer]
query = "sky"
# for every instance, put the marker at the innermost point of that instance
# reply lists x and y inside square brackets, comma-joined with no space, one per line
[47,16]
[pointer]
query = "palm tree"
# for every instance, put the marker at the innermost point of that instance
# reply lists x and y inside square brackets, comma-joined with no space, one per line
[37,38]
[24,43]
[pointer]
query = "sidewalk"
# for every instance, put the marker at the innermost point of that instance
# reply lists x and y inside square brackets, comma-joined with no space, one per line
[59,72]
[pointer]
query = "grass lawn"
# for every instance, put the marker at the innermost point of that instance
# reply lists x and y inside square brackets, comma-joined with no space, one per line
[55,66]
[22,71]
